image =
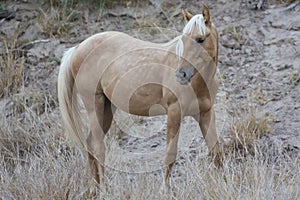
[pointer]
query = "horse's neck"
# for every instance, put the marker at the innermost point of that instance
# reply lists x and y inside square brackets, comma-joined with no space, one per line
[171,44]
[170,48]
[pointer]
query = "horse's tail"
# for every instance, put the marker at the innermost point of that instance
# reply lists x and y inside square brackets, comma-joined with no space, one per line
[68,100]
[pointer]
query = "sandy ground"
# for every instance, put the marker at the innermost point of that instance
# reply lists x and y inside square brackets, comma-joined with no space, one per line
[259,69]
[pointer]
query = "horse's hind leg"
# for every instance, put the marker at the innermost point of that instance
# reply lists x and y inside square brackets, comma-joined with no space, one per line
[100,117]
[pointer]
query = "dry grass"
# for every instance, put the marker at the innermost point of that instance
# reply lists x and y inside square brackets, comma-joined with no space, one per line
[56,21]
[247,130]
[294,77]
[58,17]
[36,162]
[43,167]
[258,96]
[234,32]
[11,67]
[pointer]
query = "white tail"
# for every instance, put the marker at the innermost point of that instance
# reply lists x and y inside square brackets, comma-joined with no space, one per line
[68,100]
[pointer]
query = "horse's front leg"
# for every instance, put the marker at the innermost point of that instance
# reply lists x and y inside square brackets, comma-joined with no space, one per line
[207,123]
[173,125]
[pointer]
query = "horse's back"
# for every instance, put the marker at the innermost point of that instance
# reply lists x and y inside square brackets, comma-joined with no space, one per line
[118,65]
[95,45]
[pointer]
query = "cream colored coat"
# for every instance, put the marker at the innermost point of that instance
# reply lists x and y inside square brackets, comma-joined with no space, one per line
[114,70]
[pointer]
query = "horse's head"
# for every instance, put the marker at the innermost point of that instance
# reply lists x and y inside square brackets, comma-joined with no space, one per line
[197,47]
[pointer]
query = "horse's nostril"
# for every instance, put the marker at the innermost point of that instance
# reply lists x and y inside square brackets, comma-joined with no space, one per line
[183,74]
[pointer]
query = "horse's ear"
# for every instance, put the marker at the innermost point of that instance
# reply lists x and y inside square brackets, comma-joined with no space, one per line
[206,15]
[186,14]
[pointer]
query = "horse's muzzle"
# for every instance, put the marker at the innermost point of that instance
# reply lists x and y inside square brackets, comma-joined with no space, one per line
[184,75]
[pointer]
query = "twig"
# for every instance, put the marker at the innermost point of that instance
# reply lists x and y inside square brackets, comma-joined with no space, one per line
[34,42]
[11,15]
[2,20]
[291,6]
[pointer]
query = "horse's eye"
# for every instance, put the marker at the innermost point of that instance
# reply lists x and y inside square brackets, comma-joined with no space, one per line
[199,40]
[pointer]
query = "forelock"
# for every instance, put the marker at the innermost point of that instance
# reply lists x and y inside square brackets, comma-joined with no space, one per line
[198,22]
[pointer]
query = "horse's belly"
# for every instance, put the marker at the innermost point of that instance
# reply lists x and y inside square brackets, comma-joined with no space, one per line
[144,100]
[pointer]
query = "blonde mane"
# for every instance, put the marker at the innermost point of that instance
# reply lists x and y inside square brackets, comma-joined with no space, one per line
[197,21]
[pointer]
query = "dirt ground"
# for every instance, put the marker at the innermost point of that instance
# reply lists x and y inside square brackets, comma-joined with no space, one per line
[259,65]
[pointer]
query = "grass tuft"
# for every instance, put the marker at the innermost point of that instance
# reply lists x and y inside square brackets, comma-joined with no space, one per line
[235,33]
[11,68]
[246,132]
[57,21]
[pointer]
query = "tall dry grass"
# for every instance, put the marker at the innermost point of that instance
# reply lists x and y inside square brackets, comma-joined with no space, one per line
[40,165]
[37,162]
[11,67]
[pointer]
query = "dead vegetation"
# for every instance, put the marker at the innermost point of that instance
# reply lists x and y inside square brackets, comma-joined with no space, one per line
[246,131]
[55,171]
[56,22]
[11,67]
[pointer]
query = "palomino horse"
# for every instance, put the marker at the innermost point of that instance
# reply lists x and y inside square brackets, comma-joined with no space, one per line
[113,70]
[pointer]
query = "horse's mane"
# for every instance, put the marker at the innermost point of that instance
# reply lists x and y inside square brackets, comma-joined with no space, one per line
[196,21]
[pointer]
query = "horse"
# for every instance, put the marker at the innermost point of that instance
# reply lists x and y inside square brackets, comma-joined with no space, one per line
[112,70]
